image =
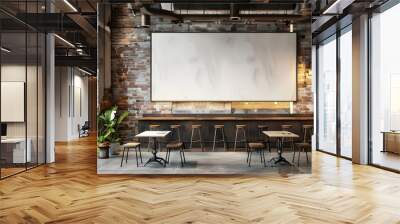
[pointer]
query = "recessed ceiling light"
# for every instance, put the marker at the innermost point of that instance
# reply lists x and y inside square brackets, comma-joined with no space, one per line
[84,71]
[64,40]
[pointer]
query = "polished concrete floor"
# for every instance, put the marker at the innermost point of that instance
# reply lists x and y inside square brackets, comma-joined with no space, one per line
[198,162]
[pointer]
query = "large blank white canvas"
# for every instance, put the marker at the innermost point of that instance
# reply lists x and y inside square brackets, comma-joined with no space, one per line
[223,67]
[12,101]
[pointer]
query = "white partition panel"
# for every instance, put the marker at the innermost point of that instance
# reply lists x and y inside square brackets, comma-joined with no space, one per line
[223,67]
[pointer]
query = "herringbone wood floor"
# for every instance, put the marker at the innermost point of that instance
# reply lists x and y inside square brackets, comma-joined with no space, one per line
[69,191]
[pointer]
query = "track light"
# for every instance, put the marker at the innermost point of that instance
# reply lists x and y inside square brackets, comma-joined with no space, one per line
[291,27]
[84,71]
[5,50]
[65,41]
[70,5]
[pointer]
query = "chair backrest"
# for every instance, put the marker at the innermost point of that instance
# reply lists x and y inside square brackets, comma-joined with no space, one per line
[175,133]
[86,125]
[307,133]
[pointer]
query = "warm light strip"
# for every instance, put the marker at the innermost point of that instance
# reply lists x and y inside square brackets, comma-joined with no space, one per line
[84,71]
[5,50]
[64,40]
[70,5]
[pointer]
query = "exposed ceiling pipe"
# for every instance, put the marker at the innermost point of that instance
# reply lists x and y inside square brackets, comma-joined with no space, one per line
[160,12]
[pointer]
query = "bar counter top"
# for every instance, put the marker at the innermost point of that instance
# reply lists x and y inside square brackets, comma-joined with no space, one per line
[228,117]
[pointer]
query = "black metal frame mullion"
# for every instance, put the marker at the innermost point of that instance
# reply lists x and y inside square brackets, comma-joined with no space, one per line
[317,97]
[0,94]
[26,86]
[369,100]
[338,77]
[37,90]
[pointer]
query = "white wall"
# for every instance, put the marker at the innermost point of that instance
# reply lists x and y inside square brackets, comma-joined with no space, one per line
[71,102]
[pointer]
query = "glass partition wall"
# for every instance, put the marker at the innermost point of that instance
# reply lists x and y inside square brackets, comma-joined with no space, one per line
[385,89]
[327,95]
[334,87]
[22,77]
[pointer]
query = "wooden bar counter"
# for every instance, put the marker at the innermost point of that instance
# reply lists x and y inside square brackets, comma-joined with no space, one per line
[207,121]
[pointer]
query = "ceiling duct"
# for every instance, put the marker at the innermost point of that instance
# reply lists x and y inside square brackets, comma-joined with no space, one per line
[234,12]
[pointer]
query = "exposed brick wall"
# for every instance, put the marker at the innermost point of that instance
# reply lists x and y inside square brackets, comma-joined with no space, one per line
[131,66]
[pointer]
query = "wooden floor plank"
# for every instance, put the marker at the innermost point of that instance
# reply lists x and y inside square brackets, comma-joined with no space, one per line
[70,191]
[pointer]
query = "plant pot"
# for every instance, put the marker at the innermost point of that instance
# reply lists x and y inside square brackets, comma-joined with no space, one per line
[114,149]
[104,151]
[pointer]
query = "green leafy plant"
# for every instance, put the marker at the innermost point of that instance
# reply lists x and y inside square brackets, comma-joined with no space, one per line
[108,123]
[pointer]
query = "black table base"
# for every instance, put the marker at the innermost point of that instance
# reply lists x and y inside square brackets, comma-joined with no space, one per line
[155,158]
[280,159]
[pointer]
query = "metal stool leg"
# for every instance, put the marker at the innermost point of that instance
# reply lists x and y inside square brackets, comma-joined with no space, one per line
[201,140]
[223,139]
[215,135]
[236,135]
[137,160]
[123,154]
[127,154]
[140,153]
[191,139]
[251,152]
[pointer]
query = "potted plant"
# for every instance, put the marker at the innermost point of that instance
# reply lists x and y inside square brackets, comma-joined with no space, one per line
[108,123]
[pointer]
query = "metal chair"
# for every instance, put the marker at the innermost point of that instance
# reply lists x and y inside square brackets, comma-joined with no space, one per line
[153,127]
[305,144]
[256,147]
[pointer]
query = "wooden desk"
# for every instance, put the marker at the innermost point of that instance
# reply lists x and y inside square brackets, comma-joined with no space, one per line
[13,150]
[391,141]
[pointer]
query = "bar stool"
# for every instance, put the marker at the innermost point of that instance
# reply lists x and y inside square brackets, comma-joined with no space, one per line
[220,128]
[305,144]
[240,128]
[129,145]
[196,129]
[261,135]
[153,127]
[176,132]
[256,147]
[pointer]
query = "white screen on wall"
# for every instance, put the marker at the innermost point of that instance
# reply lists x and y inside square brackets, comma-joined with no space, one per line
[223,67]
[12,101]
